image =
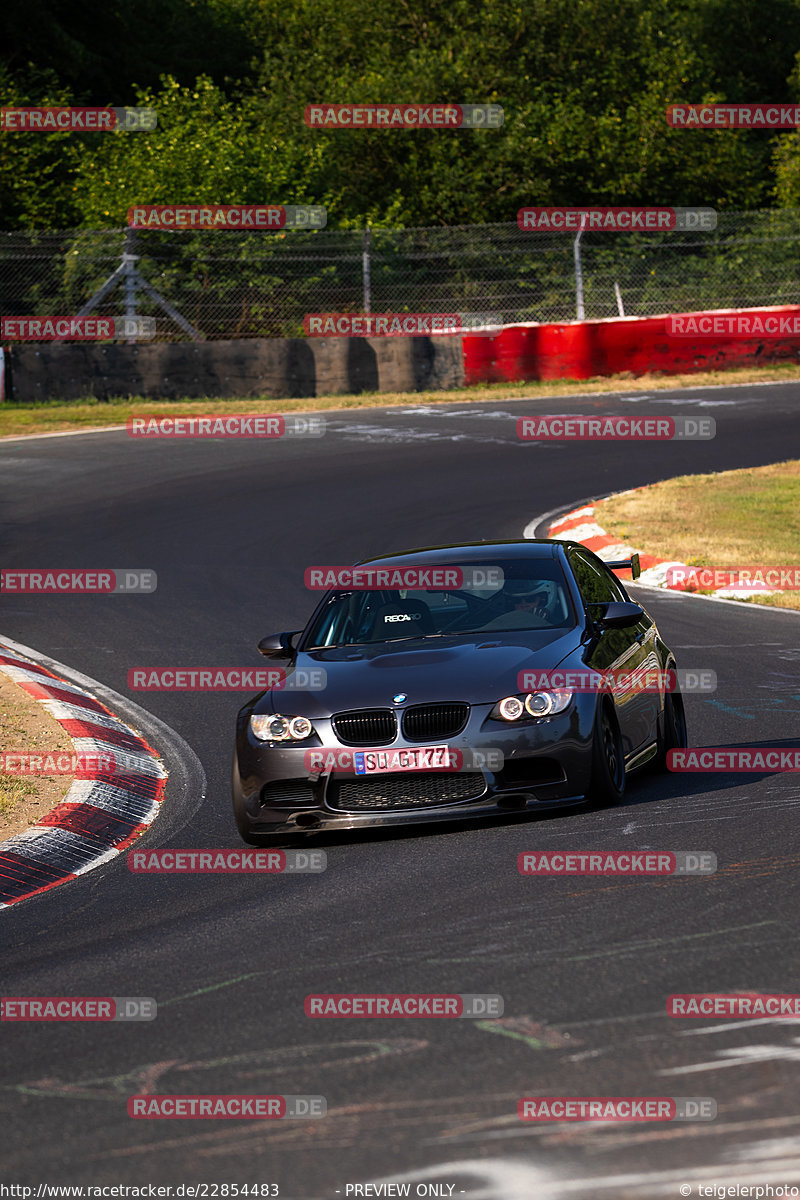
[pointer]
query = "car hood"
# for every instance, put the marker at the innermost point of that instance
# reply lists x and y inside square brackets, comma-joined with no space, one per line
[477,669]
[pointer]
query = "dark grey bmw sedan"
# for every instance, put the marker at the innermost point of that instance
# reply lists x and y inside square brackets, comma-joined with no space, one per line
[456,681]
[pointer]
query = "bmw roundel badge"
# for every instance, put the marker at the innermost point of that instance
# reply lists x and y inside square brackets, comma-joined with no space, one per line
[399,698]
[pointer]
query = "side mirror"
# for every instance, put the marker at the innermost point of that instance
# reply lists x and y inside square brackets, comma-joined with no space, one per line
[619,614]
[278,645]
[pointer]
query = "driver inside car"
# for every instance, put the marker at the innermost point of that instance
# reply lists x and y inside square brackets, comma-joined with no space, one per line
[528,597]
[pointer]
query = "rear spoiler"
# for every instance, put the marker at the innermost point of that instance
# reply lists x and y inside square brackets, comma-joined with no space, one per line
[631,564]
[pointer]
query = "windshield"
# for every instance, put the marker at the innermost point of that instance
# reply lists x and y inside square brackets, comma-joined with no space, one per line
[533,596]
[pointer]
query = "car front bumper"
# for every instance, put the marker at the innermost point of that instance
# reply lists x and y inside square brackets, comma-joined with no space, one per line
[545,764]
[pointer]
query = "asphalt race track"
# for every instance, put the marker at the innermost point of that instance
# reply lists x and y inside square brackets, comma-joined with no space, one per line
[584,965]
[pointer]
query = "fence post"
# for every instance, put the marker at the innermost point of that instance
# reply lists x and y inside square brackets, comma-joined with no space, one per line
[129,278]
[578,275]
[365,270]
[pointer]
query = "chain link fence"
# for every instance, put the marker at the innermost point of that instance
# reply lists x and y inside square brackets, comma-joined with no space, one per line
[224,285]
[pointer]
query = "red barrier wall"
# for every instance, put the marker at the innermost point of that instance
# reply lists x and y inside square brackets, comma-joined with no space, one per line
[581,349]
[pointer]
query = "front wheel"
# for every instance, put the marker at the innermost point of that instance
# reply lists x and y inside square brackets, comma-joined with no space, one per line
[607,786]
[673,735]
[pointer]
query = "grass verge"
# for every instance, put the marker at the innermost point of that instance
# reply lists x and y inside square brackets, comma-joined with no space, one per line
[741,518]
[26,726]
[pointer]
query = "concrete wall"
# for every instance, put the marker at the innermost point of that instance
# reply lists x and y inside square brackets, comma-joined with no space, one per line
[284,367]
[274,367]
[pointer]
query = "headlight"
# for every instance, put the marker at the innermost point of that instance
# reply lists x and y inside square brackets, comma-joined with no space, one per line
[535,704]
[545,704]
[275,728]
[511,708]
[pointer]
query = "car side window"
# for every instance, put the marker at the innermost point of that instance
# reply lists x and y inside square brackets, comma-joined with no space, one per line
[331,624]
[597,584]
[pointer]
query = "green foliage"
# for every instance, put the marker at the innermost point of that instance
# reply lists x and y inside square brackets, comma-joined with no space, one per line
[584,85]
[206,148]
[786,156]
[37,171]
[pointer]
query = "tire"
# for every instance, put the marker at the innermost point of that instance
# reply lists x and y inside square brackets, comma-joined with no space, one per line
[673,735]
[607,786]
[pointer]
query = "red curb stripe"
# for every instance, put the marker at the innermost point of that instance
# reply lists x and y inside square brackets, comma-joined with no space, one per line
[142,746]
[646,561]
[135,833]
[572,522]
[90,822]
[20,868]
[598,543]
[55,693]
[26,666]
[101,733]
[101,827]
[148,787]
[16,885]
[121,803]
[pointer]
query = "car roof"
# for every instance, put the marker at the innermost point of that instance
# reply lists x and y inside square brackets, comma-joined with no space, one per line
[471,552]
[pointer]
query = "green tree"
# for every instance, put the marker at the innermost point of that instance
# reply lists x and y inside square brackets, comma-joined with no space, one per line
[584,85]
[37,170]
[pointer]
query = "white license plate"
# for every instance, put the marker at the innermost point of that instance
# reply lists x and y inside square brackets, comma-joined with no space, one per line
[381,762]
